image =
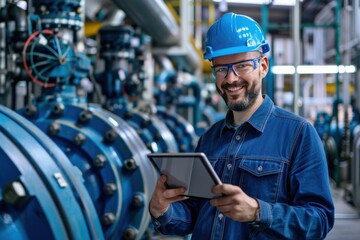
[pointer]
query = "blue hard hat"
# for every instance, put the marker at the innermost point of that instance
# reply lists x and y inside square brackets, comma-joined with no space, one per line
[232,34]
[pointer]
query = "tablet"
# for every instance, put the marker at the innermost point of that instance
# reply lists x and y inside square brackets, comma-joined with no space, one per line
[190,170]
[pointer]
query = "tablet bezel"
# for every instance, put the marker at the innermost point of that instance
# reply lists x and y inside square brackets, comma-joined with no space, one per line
[199,155]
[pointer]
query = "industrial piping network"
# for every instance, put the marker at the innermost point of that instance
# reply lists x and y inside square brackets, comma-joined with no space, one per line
[71,169]
[75,169]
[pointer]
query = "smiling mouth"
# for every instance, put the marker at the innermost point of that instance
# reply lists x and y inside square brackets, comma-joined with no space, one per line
[234,89]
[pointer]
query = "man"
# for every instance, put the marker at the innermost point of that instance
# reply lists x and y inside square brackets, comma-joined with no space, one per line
[271,162]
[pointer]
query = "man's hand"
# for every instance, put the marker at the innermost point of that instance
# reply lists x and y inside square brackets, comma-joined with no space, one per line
[162,197]
[234,203]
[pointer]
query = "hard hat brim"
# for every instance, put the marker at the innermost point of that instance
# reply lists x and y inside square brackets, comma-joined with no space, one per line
[236,50]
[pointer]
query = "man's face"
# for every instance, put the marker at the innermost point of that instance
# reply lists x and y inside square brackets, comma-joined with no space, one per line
[240,92]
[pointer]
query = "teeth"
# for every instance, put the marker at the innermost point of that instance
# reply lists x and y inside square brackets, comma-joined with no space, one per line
[234,89]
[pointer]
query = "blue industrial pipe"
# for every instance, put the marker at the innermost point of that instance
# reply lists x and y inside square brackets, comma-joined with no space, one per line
[193,101]
[183,131]
[42,195]
[151,129]
[111,157]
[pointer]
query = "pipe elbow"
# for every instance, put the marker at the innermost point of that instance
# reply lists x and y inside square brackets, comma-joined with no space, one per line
[13,12]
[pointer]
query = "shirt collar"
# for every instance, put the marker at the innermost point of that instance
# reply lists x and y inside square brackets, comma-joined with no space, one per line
[258,120]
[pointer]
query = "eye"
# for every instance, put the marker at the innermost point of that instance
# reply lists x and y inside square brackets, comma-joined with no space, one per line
[221,69]
[242,66]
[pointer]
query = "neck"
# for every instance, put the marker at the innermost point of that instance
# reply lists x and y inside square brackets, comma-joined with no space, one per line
[243,116]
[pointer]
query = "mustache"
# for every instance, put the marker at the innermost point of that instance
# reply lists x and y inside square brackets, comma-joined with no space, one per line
[235,84]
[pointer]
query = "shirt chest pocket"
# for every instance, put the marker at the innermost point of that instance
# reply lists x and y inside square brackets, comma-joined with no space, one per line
[261,178]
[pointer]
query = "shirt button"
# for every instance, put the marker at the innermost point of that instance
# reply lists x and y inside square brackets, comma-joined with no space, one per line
[220,216]
[238,137]
[260,168]
[229,166]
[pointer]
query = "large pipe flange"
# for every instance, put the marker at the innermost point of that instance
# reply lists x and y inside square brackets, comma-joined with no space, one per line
[43,194]
[111,157]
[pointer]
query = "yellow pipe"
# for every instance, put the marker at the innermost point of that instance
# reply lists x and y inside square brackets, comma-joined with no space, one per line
[173,12]
[91,28]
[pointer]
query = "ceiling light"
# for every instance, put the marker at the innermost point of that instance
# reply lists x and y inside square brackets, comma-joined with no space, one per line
[262,2]
[282,69]
[313,69]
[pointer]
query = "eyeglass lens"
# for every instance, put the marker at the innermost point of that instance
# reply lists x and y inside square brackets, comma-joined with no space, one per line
[239,68]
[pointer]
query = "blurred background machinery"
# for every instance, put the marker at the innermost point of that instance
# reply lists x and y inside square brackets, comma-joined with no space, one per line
[88,88]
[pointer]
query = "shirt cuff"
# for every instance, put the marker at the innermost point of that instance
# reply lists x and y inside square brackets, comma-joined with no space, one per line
[265,216]
[163,219]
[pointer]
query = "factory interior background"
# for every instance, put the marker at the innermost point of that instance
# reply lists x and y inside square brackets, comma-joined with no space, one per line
[89,87]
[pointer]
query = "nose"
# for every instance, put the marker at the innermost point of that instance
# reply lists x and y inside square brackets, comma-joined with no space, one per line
[231,74]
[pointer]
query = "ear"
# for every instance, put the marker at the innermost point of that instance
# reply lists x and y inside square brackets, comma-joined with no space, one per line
[264,63]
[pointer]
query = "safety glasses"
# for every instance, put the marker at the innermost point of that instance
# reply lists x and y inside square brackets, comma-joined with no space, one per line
[238,68]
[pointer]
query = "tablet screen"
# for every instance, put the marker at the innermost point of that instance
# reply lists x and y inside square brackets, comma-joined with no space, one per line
[190,170]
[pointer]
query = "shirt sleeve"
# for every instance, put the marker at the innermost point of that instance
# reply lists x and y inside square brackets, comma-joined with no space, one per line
[179,219]
[310,211]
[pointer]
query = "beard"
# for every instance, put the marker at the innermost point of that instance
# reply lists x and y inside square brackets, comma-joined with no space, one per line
[240,105]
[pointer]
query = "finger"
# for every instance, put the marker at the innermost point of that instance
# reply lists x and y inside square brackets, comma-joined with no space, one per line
[226,189]
[160,183]
[173,192]
[174,195]
[177,198]
[221,201]
[162,179]
[163,199]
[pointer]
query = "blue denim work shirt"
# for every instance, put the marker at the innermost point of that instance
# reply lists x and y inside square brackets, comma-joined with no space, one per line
[275,157]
